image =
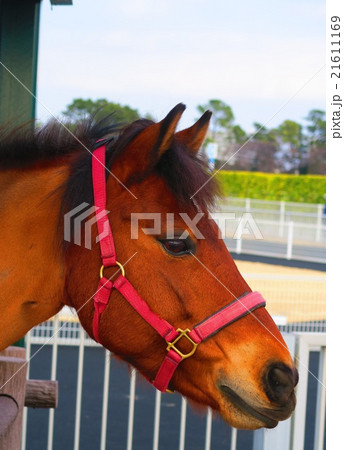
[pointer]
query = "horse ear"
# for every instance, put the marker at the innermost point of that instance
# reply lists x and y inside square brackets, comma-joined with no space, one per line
[194,136]
[149,145]
[167,127]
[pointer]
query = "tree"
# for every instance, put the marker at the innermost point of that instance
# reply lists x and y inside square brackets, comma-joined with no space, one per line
[316,127]
[291,133]
[81,108]
[254,156]
[258,153]
[240,135]
[316,157]
[292,147]
[263,134]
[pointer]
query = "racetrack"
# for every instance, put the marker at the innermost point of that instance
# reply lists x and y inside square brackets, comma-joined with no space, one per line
[297,294]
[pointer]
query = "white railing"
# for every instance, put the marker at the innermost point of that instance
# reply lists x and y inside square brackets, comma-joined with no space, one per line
[278,211]
[229,223]
[297,225]
[245,233]
[289,435]
[305,344]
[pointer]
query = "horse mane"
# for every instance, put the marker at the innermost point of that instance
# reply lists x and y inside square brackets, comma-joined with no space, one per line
[23,147]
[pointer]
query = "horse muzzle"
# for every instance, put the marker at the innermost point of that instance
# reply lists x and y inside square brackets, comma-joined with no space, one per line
[279,381]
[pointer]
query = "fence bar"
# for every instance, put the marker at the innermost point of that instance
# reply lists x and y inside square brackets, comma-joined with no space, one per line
[306,342]
[279,437]
[290,240]
[238,237]
[319,222]
[234,438]
[238,246]
[131,410]
[157,420]
[182,424]
[281,219]
[299,416]
[27,357]
[321,401]
[105,400]
[79,390]
[208,430]
[53,377]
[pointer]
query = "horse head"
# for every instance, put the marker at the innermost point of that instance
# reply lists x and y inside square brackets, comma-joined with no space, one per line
[158,194]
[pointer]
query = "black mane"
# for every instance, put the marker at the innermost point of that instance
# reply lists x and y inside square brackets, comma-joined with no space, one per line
[23,147]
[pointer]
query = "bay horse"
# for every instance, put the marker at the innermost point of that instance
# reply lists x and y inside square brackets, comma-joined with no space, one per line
[234,359]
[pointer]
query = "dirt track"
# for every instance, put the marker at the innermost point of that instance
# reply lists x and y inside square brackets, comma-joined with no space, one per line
[296,294]
[256,267]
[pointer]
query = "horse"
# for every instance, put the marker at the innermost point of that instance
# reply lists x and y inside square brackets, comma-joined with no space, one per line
[174,281]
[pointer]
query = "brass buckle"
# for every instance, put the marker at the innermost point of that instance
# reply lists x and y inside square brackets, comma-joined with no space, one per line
[118,264]
[173,344]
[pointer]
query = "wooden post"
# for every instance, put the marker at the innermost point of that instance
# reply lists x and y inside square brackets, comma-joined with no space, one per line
[9,412]
[12,392]
[17,392]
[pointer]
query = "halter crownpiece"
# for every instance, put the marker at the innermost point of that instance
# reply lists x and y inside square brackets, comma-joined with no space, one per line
[233,311]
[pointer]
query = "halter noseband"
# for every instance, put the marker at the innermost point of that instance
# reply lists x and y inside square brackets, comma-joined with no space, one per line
[225,316]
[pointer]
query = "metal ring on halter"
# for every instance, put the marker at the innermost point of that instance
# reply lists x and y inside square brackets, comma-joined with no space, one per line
[118,264]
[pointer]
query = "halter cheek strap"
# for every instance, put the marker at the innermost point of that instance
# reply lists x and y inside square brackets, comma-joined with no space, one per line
[107,246]
[205,329]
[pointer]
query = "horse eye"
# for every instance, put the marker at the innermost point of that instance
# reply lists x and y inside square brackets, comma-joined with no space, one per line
[176,247]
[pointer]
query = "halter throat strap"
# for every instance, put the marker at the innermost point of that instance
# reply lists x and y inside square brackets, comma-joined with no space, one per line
[205,329]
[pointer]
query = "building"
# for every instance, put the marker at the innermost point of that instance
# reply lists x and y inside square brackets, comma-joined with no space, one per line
[19,30]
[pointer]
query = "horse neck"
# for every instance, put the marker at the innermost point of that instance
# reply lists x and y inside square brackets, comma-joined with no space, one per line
[31,265]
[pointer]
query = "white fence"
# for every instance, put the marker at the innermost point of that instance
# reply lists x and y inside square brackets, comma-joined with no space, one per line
[277,211]
[256,228]
[132,417]
[244,233]
[289,435]
[278,229]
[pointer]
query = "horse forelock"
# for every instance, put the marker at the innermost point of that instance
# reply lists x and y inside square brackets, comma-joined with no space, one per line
[185,174]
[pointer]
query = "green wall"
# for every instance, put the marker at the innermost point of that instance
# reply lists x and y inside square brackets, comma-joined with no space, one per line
[19,25]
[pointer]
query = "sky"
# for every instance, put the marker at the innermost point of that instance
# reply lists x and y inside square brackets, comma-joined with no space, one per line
[265,59]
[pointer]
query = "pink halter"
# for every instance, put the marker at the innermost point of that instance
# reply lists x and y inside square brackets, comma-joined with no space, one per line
[233,311]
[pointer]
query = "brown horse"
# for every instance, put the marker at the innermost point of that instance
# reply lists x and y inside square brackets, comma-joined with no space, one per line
[244,371]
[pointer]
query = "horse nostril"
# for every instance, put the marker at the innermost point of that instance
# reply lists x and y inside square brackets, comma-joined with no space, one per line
[280,382]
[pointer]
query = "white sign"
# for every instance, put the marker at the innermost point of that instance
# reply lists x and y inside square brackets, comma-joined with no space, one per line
[212,150]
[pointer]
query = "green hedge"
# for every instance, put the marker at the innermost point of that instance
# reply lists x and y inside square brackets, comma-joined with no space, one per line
[270,186]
